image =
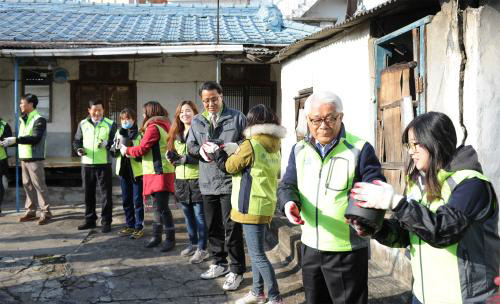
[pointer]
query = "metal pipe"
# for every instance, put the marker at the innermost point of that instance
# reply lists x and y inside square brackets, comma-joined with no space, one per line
[16,118]
[111,51]
[218,25]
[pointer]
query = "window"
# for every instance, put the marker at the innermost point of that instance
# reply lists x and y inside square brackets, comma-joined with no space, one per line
[39,83]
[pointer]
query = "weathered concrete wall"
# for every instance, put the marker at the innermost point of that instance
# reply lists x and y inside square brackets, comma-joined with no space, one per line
[341,65]
[59,128]
[481,82]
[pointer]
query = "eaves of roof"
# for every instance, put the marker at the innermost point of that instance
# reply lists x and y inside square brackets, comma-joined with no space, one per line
[328,32]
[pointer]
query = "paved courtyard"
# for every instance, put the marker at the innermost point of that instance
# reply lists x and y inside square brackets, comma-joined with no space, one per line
[56,263]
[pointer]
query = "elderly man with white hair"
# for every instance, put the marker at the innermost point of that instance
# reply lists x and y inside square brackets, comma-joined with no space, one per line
[313,193]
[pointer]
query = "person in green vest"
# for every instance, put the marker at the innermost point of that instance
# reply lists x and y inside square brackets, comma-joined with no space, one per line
[5,131]
[31,148]
[448,215]
[92,142]
[187,188]
[255,167]
[157,172]
[130,172]
[322,169]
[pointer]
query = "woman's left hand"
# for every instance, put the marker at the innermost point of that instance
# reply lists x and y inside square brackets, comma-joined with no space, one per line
[230,147]
[378,195]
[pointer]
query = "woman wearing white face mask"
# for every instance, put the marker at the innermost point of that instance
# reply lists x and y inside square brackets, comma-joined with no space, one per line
[448,216]
[130,171]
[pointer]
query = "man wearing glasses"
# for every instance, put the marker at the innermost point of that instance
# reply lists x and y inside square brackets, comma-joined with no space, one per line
[218,126]
[313,193]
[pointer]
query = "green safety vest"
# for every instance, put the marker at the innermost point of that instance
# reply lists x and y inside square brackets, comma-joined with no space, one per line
[136,165]
[186,171]
[26,129]
[154,163]
[254,189]
[461,266]
[3,154]
[323,186]
[92,135]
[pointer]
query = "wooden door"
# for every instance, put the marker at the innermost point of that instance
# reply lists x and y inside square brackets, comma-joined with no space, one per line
[115,97]
[395,91]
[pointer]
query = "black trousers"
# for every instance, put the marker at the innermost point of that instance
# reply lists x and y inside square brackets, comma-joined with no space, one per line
[224,231]
[335,277]
[99,176]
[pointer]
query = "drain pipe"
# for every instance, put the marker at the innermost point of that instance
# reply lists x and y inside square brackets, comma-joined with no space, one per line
[461,5]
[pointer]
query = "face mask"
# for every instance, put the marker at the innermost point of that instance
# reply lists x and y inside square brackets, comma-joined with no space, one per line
[127,124]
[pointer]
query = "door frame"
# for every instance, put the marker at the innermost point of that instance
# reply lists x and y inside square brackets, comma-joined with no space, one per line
[75,83]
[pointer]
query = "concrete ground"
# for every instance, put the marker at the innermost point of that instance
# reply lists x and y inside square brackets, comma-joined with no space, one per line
[56,263]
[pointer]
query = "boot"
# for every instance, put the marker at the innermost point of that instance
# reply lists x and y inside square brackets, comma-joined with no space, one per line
[156,239]
[169,243]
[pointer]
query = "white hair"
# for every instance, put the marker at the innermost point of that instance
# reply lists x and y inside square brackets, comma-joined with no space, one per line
[322,97]
[316,97]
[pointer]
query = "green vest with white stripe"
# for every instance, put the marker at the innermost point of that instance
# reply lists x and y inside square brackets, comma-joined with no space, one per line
[462,267]
[186,171]
[136,165]
[3,154]
[148,162]
[92,136]
[324,186]
[26,129]
[254,189]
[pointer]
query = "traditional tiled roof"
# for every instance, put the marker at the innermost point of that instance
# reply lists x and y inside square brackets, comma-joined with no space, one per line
[45,23]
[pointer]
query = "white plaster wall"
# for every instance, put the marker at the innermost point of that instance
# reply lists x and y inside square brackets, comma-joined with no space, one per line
[482,87]
[341,65]
[328,9]
[481,81]
[171,80]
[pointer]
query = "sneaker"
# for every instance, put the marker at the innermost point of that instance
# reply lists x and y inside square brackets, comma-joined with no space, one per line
[233,281]
[189,250]
[214,271]
[252,298]
[199,256]
[278,301]
[126,231]
[27,217]
[138,233]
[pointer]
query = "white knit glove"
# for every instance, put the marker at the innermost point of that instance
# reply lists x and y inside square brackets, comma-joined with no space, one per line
[123,150]
[8,141]
[210,147]
[80,152]
[292,213]
[230,148]
[378,195]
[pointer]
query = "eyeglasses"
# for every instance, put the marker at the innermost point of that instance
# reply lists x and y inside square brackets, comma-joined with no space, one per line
[412,146]
[213,100]
[329,120]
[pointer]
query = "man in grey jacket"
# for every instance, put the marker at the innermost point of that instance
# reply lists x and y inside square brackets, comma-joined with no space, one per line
[220,126]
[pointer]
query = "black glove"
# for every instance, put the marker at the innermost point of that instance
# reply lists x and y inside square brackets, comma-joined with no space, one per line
[172,156]
[180,161]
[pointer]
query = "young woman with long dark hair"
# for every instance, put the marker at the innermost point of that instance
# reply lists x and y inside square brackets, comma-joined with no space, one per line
[448,215]
[158,173]
[187,189]
[255,167]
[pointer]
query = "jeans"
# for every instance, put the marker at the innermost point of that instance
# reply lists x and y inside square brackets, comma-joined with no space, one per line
[133,205]
[195,223]
[224,232]
[2,191]
[99,175]
[262,270]
[161,211]
[414,300]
